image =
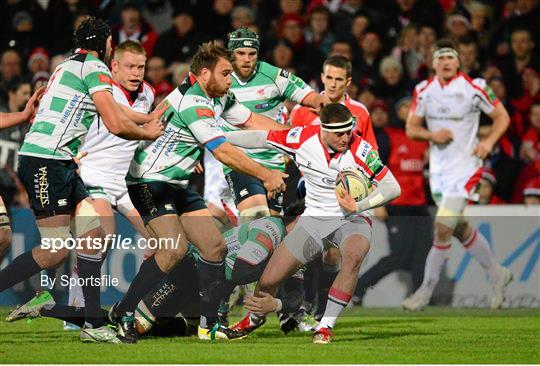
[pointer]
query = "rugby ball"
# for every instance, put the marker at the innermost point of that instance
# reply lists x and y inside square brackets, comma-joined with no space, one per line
[354,182]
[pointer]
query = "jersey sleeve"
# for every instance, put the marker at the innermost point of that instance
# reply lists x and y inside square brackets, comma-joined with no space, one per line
[483,96]
[301,116]
[287,141]
[291,86]
[234,112]
[96,76]
[418,106]
[369,161]
[365,128]
[201,121]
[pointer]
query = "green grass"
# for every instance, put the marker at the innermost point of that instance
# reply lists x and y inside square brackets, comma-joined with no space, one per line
[437,335]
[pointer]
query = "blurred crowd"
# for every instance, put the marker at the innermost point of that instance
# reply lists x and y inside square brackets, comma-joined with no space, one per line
[389,43]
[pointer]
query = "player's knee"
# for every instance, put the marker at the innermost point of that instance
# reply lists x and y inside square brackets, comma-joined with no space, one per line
[86,222]
[443,232]
[462,230]
[254,213]
[214,250]
[59,258]
[354,255]
[5,239]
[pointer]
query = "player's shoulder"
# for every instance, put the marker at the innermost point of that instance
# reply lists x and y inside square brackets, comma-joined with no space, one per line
[423,85]
[299,135]
[268,69]
[148,89]
[360,147]
[356,106]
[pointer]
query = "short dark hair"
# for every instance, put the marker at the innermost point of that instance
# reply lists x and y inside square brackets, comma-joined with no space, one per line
[15,83]
[92,35]
[467,40]
[445,43]
[334,113]
[340,62]
[208,55]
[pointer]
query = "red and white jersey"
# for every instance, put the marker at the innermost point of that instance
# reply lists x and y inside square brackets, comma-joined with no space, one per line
[455,106]
[320,167]
[106,151]
[301,116]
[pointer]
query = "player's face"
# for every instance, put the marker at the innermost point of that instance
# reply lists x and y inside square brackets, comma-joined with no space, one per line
[128,70]
[446,67]
[220,79]
[338,141]
[245,60]
[335,82]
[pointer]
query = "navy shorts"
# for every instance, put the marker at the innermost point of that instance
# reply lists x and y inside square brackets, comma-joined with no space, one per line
[243,186]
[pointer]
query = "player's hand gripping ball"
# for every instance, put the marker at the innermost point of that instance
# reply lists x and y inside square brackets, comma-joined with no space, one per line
[354,182]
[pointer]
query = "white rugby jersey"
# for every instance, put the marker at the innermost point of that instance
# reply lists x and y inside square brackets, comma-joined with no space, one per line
[455,106]
[106,151]
[320,167]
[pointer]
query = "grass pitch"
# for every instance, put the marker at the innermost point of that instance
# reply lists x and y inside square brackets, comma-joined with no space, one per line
[436,335]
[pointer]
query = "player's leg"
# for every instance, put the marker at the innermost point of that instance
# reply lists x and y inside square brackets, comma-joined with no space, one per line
[476,244]
[249,196]
[329,270]
[5,230]
[447,218]
[354,243]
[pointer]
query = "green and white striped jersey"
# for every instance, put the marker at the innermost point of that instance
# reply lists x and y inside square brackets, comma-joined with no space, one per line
[67,110]
[264,93]
[252,242]
[192,124]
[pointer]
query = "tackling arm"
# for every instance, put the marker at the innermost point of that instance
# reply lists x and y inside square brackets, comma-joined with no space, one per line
[260,122]
[387,190]
[248,139]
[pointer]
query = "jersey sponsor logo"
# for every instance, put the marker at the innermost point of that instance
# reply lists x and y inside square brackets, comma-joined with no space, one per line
[201,100]
[105,79]
[373,161]
[293,137]
[204,112]
[265,240]
[262,106]
[284,73]
[328,181]
[362,153]
[260,92]
[70,107]
[490,93]
[443,110]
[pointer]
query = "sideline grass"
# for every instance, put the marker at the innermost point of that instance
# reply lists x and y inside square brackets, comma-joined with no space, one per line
[436,335]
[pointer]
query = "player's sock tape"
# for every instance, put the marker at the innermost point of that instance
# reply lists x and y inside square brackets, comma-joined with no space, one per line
[214,330]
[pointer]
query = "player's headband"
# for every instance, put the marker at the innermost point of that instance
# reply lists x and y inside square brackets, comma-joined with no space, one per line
[445,51]
[339,126]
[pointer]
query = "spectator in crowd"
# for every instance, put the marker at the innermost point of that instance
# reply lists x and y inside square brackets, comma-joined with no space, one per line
[391,85]
[39,79]
[367,96]
[318,33]
[156,75]
[407,215]
[10,66]
[282,57]
[158,13]
[22,25]
[61,16]
[406,51]
[19,92]
[307,59]
[486,189]
[134,27]
[458,24]
[521,57]
[217,22]
[347,13]
[380,118]
[242,16]
[342,47]
[370,57]
[38,61]
[481,23]
[182,40]
[427,37]
[359,25]
[425,12]
[468,57]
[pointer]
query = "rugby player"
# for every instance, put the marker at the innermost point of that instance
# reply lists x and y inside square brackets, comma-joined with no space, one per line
[158,185]
[79,88]
[321,152]
[450,103]
[249,247]
[9,120]
[262,88]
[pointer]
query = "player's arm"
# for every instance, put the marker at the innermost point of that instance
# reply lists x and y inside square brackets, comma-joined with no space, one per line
[248,139]
[265,303]
[234,158]
[143,118]
[259,122]
[416,131]
[501,121]
[119,124]
[12,119]
[297,90]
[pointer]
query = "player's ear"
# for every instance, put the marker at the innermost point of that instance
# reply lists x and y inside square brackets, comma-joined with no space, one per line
[322,77]
[349,79]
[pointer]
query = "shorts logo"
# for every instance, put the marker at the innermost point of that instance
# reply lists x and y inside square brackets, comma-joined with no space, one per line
[248,43]
[244,192]
[169,207]
[62,202]
[146,198]
[293,137]
[41,186]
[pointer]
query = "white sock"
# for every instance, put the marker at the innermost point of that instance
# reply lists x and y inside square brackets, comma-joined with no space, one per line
[477,245]
[438,254]
[337,301]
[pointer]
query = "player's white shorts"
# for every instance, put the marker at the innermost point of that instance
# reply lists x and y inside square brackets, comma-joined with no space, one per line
[216,189]
[462,186]
[107,186]
[312,235]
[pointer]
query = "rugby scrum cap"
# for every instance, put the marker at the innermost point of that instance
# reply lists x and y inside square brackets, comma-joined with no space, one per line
[243,37]
[92,35]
